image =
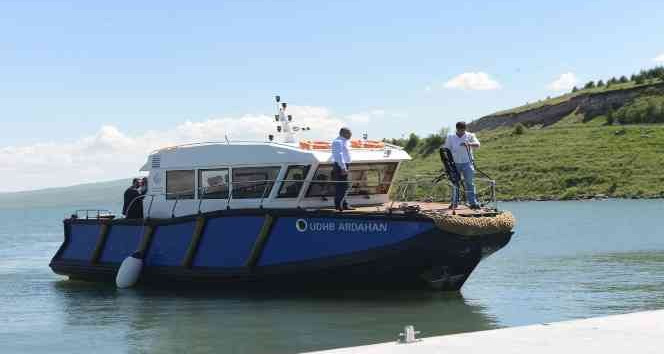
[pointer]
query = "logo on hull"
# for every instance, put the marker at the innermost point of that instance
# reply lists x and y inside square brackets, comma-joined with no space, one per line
[301,225]
[368,227]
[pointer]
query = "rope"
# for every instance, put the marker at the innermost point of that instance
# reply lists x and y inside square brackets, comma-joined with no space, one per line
[472,226]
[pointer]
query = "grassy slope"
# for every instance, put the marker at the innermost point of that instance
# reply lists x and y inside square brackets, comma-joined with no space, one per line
[559,99]
[568,160]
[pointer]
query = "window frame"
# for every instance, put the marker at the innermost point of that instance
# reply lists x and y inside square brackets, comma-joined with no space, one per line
[353,190]
[313,182]
[200,182]
[178,195]
[301,183]
[267,192]
[381,187]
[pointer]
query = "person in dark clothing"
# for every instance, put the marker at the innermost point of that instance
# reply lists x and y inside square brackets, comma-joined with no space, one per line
[133,204]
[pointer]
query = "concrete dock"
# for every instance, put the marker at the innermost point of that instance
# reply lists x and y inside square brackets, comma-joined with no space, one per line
[641,332]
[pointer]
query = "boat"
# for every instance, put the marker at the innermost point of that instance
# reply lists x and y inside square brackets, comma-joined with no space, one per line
[238,214]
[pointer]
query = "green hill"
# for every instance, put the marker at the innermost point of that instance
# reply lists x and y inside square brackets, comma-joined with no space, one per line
[589,102]
[92,195]
[567,161]
[597,141]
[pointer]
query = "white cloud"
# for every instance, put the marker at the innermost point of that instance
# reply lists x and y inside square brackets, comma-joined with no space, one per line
[366,117]
[564,82]
[472,81]
[111,153]
[659,59]
[361,118]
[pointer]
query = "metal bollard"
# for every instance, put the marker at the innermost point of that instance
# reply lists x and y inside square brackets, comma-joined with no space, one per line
[408,335]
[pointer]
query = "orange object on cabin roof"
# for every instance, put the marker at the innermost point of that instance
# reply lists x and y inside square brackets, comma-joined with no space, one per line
[355,144]
[315,145]
[367,144]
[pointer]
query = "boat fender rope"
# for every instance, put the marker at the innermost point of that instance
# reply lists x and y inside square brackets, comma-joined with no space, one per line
[473,226]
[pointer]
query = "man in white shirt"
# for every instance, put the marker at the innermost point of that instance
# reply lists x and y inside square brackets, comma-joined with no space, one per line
[461,144]
[340,161]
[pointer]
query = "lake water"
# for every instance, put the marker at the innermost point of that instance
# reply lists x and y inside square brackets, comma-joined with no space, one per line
[567,260]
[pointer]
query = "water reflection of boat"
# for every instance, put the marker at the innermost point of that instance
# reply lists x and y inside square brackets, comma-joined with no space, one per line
[155,321]
[238,214]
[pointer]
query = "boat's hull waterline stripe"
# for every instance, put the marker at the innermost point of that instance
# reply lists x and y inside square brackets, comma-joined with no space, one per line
[272,249]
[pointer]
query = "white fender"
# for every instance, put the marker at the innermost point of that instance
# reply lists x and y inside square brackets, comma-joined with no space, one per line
[129,271]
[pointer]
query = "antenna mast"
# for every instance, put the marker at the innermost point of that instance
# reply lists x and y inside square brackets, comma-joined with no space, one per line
[285,120]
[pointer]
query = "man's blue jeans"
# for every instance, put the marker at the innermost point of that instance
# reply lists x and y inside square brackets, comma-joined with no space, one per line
[468,173]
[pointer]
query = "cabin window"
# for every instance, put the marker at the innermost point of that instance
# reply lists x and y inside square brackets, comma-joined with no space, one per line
[371,178]
[320,185]
[365,179]
[253,182]
[180,184]
[213,184]
[290,188]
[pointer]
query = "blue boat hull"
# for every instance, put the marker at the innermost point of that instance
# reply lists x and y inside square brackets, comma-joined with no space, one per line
[277,249]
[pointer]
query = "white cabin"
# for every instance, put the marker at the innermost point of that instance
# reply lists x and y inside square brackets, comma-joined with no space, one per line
[188,179]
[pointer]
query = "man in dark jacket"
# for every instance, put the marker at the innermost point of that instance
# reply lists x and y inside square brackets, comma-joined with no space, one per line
[133,205]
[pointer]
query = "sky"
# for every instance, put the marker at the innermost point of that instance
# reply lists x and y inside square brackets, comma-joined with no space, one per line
[88,88]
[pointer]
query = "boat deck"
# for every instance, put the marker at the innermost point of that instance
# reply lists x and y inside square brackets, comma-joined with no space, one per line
[441,208]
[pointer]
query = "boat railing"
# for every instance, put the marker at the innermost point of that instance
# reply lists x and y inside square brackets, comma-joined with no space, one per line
[93,214]
[267,185]
[429,188]
[422,187]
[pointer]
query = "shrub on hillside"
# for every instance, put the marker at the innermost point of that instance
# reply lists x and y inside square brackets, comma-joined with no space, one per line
[649,109]
[645,75]
[397,142]
[412,142]
[519,129]
[610,117]
[431,144]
